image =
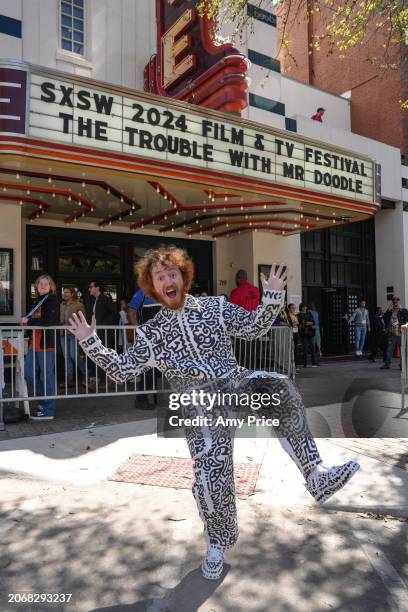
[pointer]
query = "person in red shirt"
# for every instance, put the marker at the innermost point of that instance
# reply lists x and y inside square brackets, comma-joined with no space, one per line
[245,295]
[319,115]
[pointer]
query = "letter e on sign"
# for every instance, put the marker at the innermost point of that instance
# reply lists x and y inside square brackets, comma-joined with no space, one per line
[12,100]
[174,42]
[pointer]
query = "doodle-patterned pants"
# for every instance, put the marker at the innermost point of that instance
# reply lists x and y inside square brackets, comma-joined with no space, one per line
[211,449]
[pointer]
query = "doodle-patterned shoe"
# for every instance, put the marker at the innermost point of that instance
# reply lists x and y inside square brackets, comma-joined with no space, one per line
[213,563]
[324,484]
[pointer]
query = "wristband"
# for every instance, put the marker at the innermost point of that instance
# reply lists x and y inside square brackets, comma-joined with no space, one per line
[272,296]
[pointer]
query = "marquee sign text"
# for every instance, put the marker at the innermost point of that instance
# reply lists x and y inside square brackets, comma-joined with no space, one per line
[68,112]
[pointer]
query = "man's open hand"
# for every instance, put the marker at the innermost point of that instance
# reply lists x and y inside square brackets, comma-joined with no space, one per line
[277,278]
[80,328]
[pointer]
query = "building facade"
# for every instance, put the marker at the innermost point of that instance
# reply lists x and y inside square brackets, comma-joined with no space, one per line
[94,170]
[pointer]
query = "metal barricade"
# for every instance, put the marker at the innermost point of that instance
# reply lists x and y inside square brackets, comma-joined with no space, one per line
[62,370]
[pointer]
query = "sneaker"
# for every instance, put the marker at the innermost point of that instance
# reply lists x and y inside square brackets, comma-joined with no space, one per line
[385,367]
[213,563]
[41,416]
[322,486]
[314,365]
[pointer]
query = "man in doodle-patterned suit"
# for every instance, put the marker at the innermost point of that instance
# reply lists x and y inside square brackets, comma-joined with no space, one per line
[189,342]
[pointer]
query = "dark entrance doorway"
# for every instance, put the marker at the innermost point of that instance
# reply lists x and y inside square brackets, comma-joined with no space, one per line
[76,257]
[338,269]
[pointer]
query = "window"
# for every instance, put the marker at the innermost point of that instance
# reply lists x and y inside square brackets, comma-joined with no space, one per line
[72,26]
[265,61]
[290,124]
[85,257]
[257,13]
[266,104]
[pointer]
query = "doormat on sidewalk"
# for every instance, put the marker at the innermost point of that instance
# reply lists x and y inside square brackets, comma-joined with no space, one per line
[177,473]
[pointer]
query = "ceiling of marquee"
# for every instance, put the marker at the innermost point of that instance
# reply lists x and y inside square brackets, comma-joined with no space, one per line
[69,192]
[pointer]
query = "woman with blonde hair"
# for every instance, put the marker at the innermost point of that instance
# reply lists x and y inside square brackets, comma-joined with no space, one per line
[70,305]
[39,364]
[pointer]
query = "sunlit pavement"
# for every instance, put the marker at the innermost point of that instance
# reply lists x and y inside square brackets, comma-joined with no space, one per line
[118,546]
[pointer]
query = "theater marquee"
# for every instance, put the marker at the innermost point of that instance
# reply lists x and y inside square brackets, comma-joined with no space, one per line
[64,111]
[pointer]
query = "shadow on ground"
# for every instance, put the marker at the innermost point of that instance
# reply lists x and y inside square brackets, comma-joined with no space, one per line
[112,548]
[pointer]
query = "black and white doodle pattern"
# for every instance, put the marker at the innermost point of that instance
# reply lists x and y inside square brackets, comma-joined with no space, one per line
[192,348]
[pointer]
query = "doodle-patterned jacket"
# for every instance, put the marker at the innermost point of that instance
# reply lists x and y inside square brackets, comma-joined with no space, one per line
[189,346]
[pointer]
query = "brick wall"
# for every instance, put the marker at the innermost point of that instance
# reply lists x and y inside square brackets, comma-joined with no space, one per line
[375,106]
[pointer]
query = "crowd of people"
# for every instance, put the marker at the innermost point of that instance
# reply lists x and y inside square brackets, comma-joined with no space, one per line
[382,328]
[44,345]
[381,332]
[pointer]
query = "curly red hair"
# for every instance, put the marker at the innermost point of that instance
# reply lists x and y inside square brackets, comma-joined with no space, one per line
[164,255]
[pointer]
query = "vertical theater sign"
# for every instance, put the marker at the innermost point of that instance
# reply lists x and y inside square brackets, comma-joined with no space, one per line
[191,64]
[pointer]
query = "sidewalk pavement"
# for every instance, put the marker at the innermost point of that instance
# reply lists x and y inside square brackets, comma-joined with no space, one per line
[118,546]
[126,547]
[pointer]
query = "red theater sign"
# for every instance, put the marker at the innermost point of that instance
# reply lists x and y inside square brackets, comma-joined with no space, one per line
[191,64]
